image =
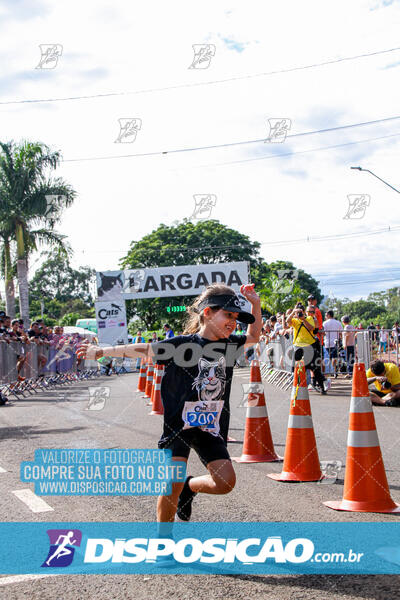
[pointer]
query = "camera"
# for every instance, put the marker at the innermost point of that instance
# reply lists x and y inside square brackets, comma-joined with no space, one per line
[386,385]
[300,314]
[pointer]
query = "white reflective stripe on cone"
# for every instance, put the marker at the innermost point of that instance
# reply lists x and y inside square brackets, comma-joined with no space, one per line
[300,422]
[255,412]
[157,386]
[360,404]
[302,394]
[363,439]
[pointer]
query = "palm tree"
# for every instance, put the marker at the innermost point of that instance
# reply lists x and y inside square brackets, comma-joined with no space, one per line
[6,270]
[29,197]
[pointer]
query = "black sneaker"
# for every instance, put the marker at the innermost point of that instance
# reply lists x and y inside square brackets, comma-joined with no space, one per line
[320,389]
[184,511]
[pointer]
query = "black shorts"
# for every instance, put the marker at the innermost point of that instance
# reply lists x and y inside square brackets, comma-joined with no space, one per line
[208,447]
[378,393]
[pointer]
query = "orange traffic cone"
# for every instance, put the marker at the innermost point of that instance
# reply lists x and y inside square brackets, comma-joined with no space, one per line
[258,445]
[301,462]
[158,408]
[149,380]
[142,379]
[365,485]
[153,381]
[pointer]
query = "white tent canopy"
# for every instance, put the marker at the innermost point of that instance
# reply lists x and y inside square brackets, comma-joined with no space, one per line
[86,333]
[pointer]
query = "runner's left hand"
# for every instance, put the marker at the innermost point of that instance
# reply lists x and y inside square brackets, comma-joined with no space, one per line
[249,293]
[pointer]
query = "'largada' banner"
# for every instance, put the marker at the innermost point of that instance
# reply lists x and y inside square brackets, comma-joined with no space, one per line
[161,282]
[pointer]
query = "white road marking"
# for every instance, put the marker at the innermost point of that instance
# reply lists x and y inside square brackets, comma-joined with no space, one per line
[2,470]
[35,503]
[23,578]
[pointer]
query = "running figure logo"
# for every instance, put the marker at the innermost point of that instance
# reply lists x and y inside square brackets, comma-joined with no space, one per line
[278,129]
[251,394]
[61,552]
[97,398]
[203,54]
[204,203]
[357,206]
[50,53]
[128,129]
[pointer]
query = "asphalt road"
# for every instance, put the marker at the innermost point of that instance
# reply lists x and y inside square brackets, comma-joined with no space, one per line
[58,419]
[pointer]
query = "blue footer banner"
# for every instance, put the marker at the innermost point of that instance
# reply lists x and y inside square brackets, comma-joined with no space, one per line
[196,548]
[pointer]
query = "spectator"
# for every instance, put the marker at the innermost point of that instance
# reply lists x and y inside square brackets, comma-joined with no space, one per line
[386,378]
[332,329]
[17,336]
[138,339]
[3,329]
[239,330]
[371,327]
[168,331]
[348,338]
[395,334]
[154,338]
[34,336]
[305,345]
[274,327]
[312,301]
[317,350]
[383,337]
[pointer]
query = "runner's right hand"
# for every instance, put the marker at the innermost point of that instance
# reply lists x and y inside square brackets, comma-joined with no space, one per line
[89,351]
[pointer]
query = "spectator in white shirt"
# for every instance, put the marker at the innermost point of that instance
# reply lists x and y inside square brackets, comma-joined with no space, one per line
[332,329]
[383,339]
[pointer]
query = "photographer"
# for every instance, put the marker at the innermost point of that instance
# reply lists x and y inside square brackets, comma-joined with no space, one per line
[306,345]
[386,378]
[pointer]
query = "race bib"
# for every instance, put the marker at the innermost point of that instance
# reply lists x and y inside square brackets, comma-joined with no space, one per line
[202,414]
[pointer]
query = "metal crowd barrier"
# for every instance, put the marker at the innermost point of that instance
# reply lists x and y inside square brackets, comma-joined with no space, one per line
[275,357]
[275,362]
[43,367]
[377,350]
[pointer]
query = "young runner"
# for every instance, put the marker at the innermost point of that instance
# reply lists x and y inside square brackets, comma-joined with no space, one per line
[195,389]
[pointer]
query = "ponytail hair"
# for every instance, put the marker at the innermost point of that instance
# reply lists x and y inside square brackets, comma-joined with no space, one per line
[195,318]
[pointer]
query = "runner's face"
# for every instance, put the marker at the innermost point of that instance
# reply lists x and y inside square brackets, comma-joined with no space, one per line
[222,322]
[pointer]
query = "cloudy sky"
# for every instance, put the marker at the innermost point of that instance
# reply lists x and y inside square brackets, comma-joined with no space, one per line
[272,60]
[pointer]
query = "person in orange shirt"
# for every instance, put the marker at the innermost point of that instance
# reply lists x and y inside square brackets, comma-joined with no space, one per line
[312,301]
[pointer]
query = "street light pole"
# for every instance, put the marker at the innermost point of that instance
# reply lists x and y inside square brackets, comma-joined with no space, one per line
[380,179]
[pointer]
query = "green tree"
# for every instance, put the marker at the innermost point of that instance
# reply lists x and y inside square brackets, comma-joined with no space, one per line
[304,280]
[30,197]
[277,295]
[365,310]
[187,243]
[69,318]
[201,243]
[56,279]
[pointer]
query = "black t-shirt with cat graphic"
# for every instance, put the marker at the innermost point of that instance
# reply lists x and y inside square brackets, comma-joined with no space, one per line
[197,380]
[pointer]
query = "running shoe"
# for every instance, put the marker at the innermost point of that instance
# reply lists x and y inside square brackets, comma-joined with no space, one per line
[184,511]
[327,384]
